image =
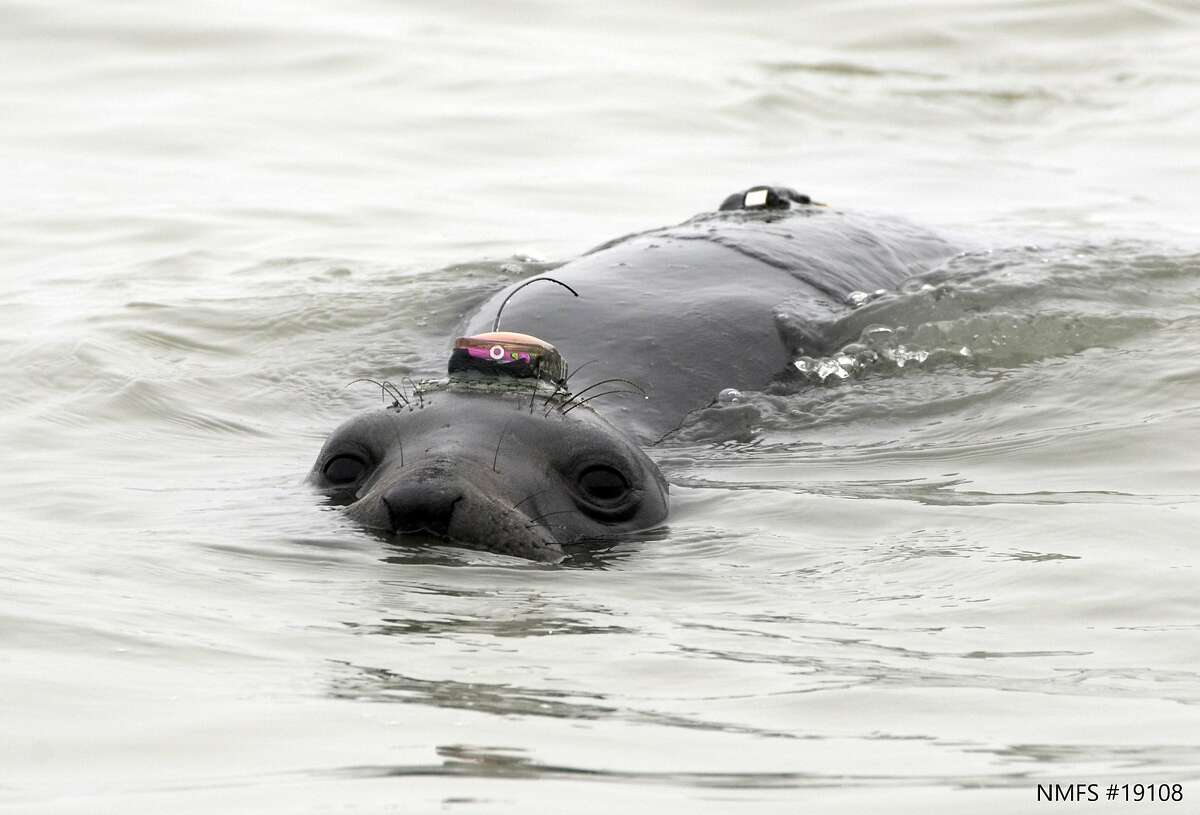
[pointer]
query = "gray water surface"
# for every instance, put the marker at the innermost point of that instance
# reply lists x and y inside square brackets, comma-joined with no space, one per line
[959,561]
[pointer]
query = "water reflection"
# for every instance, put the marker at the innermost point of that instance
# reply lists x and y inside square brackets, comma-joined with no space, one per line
[367,684]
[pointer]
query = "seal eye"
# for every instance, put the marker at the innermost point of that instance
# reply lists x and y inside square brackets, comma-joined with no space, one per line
[343,470]
[603,484]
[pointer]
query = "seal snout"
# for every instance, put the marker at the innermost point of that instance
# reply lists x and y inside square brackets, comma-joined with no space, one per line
[416,506]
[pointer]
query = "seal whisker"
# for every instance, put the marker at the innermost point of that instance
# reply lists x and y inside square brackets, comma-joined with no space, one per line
[496,458]
[597,396]
[580,368]
[383,388]
[416,390]
[533,521]
[598,384]
[533,395]
[530,495]
[395,393]
[559,387]
[399,444]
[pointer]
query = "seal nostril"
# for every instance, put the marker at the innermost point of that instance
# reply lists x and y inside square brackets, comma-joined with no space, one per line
[417,507]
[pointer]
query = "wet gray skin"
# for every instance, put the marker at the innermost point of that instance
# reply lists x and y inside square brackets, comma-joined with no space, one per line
[480,469]
[724,300]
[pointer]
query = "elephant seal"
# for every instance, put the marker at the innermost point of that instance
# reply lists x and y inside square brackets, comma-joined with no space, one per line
[503,456]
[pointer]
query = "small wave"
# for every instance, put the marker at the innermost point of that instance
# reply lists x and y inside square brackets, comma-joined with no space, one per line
[1007,309]
[975,334]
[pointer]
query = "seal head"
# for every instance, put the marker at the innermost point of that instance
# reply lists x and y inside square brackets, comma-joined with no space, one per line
[470,462]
